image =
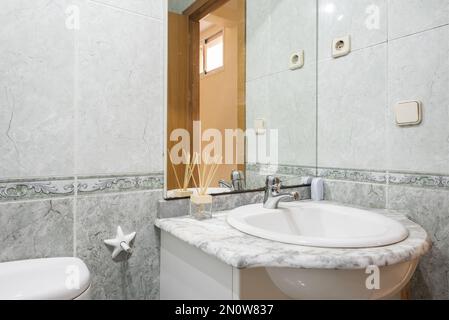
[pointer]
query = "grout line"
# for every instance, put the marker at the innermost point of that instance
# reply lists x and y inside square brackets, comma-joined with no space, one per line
[36,200]
[355,50]
[79,176]
[76,93]
[80,196]
[387,108]
[98,2]
[268,75]
[317,90]
[419,32]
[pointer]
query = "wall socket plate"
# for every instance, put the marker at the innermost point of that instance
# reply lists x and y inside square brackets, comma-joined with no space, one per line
[297,60]
[341,46]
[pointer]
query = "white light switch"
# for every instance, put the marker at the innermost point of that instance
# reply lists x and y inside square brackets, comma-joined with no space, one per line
[259,126]
[408,113]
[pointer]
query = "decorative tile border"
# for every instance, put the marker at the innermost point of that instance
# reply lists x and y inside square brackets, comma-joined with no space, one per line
[93,185]
[20,189]
[281,169]
[15,190]
[419,180]
[414,179]
[290,175]
[256,173]
[353,175]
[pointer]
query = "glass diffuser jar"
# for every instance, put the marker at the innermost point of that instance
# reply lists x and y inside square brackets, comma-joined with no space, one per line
[201,207]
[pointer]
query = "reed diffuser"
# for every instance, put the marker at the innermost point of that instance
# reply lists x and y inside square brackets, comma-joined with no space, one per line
[183,188]
[201,201]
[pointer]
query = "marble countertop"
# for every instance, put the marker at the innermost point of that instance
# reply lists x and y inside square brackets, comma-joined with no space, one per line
[215,237]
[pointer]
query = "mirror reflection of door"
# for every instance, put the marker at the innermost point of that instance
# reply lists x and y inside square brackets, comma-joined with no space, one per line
[206,84]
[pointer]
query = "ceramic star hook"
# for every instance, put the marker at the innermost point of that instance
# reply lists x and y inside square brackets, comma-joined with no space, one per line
[121,242]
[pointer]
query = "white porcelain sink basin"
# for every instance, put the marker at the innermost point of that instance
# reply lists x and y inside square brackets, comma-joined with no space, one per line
[318,224]
[326,225]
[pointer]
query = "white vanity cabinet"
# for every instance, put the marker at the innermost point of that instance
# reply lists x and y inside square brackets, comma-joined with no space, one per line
[187,273]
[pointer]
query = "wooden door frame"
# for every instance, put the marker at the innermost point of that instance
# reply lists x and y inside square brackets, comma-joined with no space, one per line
[197,11]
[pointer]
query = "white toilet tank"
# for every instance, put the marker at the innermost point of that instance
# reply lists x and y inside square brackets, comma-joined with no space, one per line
[45,279]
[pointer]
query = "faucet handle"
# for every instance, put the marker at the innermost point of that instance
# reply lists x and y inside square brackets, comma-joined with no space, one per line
[296,196]
[273,183]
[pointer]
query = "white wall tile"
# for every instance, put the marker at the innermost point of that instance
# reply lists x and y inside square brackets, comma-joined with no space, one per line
[275,30]
[36,89]
[419,69]
[364,20]
[121,92]
[293,112]
[351,110]
[258,31]
[287,102]
[411,16]
[293,28]
[36,229]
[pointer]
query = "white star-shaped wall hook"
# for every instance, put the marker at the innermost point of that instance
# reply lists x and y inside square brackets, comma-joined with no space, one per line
[121,242]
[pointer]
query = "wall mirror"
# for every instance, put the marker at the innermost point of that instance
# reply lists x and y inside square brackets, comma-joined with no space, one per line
[241,94]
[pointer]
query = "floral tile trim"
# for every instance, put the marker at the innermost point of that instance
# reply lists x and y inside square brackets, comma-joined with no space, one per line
[419,180]
[14,190]
[120,184]
[353,175]
[256,173]
[281,169]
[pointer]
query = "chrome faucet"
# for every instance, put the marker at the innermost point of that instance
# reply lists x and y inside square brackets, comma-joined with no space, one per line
[273,193]
[237,181]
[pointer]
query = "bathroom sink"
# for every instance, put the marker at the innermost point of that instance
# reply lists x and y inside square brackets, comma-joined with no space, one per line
[332,227]
[318,224]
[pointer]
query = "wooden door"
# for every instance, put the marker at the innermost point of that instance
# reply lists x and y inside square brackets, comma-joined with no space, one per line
[179,113]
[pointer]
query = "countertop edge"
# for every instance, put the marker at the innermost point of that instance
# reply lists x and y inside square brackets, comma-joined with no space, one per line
[416,245]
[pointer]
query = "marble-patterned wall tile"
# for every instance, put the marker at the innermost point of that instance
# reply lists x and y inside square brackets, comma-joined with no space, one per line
[361,194]
[351,110]
[36,229]
[27,189]
[419,70]
[120,125]
[97,219]
[364,20]
[411,16]
[172,208]
[36,96]
[257,99]
[293,92]
[293,27]
[258,30]
[275,30]
[150,8]
[430,209]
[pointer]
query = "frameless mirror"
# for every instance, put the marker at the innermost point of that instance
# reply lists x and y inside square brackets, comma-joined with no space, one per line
[241,94]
